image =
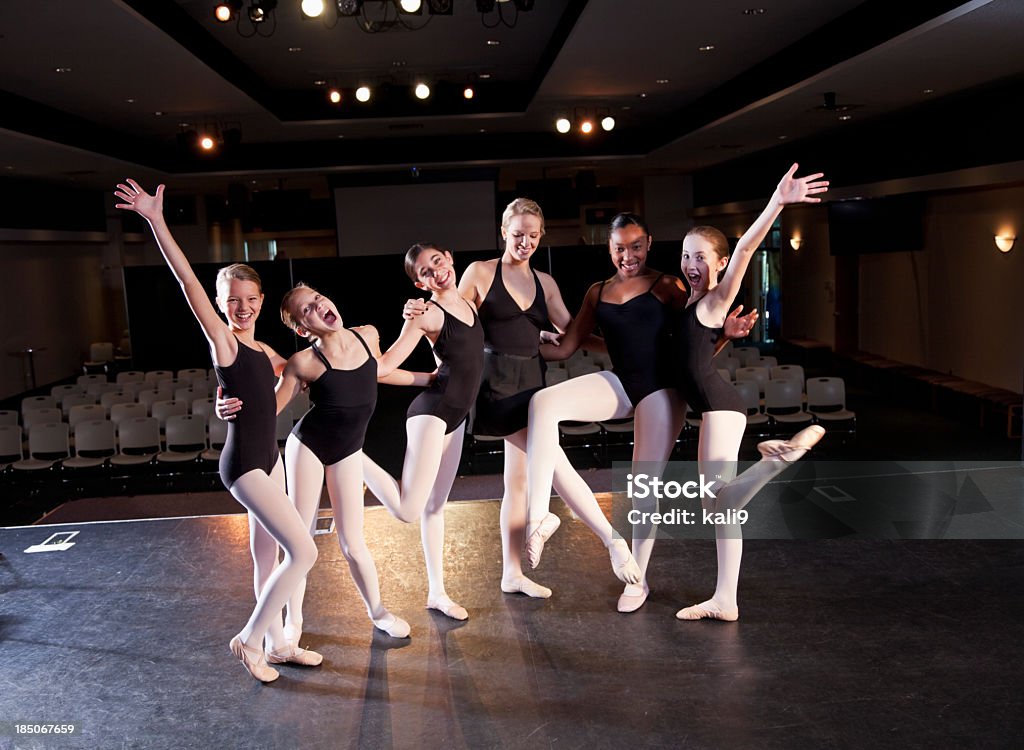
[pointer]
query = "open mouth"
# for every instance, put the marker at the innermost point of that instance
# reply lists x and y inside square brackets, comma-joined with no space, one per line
[329,317]
[630,265]
[244,317]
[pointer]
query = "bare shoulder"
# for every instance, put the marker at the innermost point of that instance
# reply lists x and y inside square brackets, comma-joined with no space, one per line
[367,331]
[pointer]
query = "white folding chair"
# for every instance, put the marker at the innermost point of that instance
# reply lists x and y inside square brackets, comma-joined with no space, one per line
[86,380]
[120,412]
[747,355]
[8,416]
[758,375]
[217,434]
[48,443]
[164,410]
[95,442]
[191,375]
[30,403]
[783,402]
[139,441]
[85,413]
[59,392]
[752,401]
[107,400]
[130,376]
[154,376]
[10,444]
[39,416]
[789,372]
[185,438]
[826,400]
[75,399]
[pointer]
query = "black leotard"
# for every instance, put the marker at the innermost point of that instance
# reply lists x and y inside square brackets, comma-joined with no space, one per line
[460,350]
[700,384]
[251,442]
[343,401]
[513,367]
[636,333]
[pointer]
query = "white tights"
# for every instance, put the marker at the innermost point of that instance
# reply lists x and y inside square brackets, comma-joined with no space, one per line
[593,397]
[428,472]
[273,523]
[345,489]
[720,435]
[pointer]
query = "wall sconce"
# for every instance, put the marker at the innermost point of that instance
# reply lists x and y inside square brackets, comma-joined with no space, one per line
[795,242]
[1005,242]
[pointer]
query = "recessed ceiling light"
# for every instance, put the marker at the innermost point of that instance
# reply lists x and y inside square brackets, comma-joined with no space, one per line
[398,63]
[625,107]
[9,168]
[783,137]
[129,100]
[706,48]
[183,124]
[62,70]
[483,130]
[643,96]
[662,80]
[484,76]
[754,12]
[844,118]
[295,49]
[928,91]
[493,42]
[341,135]
[158,113]
[319,82]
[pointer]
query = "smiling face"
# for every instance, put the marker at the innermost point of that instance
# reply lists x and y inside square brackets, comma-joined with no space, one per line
[628,247]
[522,236]
[308,311]
[240,301]
[701,263]
[434,270]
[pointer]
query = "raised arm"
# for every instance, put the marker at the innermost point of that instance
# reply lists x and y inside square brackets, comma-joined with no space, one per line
[789,190]
[151,208]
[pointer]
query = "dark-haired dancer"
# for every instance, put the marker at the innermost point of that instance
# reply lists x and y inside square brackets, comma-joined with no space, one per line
[633,310]
[250,464]
[705,255]
[436,420]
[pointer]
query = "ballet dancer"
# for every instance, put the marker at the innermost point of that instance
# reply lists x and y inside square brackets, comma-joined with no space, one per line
[436,419]
[632,309]
[515,304]
[250,463]
[340,369]
[705,256]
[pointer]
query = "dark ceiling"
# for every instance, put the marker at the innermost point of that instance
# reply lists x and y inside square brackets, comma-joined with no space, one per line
[878,86]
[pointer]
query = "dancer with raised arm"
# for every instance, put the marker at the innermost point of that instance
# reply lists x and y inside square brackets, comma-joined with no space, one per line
[633,310]
[705,255]
[250,464]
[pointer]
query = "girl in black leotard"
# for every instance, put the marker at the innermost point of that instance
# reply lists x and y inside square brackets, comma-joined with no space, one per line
[341,369]
[250,466]
[436,420]
[515,303]
[632,309]
[706,255]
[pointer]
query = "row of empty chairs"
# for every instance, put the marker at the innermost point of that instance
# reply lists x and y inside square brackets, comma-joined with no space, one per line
[132,441]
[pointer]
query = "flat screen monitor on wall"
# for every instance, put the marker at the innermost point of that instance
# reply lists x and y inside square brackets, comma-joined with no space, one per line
[876,225]
[387,219]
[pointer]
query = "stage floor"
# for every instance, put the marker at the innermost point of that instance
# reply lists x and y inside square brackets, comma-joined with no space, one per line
[841,643]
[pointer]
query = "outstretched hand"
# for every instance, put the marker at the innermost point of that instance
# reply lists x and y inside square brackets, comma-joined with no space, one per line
[737,327]
[136,199]
[800,189]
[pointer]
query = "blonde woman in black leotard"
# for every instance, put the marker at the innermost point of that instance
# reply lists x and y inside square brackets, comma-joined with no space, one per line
[250,464]
[705,255]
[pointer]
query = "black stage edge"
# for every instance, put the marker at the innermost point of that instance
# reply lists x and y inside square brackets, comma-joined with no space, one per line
[841,643]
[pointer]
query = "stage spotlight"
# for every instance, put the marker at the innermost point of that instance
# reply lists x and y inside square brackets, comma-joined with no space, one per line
[206,143]
[468,92]
[334,95]
[224,11]
[363,93]
[422,91]
[349,7]
[410,6]
[608,123]
[562,125]
[586,127]
[312,8]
